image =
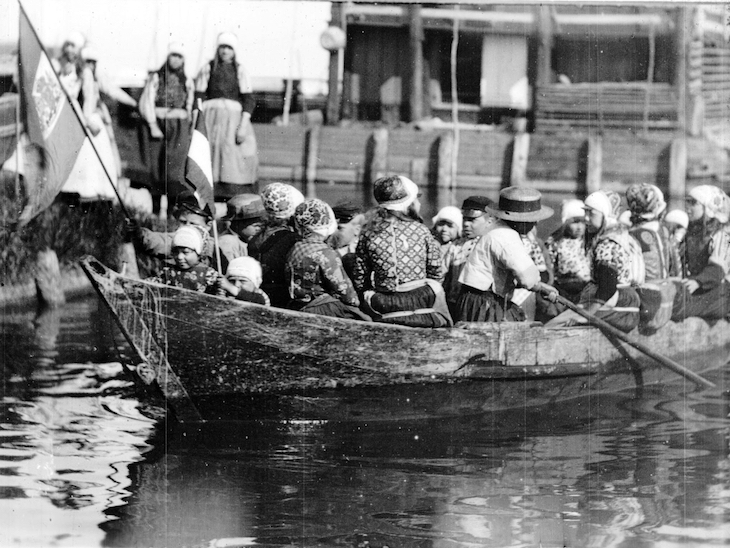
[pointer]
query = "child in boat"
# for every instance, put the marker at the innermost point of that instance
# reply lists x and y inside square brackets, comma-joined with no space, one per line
[616,265]
[677,222]
[189,272]
[272,245]
[533,303]
[475,222]
[398,262]
[500,261]
[647,207]
[350,220]
[705,291]
[244,219]
[318,282]
[447,225]
[566,246]
[243,279]
[187,211]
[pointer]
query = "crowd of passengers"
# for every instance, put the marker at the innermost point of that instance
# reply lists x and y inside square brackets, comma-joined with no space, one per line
[482,262]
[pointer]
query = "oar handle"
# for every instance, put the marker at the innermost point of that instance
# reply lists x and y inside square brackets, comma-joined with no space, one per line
[617,333]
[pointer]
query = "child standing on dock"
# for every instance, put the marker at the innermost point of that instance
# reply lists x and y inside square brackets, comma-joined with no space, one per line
[189,272]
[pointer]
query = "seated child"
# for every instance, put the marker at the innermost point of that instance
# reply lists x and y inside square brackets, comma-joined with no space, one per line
[567,249]
[189,272]
[447,226]
[243,279]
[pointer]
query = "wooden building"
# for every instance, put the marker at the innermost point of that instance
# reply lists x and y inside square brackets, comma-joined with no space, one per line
[652,68]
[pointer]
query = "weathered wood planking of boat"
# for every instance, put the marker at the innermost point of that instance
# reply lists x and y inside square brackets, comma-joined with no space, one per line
[215,358]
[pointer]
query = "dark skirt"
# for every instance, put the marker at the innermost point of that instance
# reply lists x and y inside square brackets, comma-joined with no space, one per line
[421,297]
[628,298]
[327,305]
[713,304]
[484,306]
[165,158]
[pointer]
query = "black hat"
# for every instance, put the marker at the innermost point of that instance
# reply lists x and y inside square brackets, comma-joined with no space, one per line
[186,201]
[245,207]
[479,203]
[346,211]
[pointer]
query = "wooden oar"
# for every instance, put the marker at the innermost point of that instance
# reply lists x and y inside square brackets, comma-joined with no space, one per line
[617,333]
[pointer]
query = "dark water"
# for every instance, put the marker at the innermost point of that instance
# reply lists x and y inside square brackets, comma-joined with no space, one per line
[84,462]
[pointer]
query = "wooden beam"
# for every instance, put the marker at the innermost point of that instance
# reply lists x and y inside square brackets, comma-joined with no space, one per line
[544,44]
[682,38]
[416,41]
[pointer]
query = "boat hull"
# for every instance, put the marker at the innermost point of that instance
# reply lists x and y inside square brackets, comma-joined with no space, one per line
[219,359]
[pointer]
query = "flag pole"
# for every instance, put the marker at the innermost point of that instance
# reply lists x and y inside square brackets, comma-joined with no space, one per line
[78,116]
[17,127]
[197,111]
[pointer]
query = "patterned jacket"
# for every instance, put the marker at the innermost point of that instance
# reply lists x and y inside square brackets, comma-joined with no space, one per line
[315,269]
[395,250]
[200,278]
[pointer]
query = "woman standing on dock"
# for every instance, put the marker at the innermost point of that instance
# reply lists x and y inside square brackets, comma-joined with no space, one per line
[166,105]
[228,102]
[89,178]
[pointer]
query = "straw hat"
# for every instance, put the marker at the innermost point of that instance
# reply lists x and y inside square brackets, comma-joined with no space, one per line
[520,205]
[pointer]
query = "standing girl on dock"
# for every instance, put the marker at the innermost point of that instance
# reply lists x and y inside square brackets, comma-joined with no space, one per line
[166,105]
[228,102]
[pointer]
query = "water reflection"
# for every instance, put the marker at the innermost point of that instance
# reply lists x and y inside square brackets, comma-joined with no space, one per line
[611,472]
[68,430]
[81,464]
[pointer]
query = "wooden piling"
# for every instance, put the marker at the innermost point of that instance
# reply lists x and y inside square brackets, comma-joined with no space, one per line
[48,279]
[594,163]
[678,168]
[520,153]
[310,169]
[446,152]
[419,169]
[379,165]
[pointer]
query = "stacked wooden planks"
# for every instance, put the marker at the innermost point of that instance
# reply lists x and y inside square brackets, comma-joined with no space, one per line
[607,105]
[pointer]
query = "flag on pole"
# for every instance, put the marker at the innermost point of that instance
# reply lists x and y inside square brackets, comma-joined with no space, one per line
[52,127]
[198,165]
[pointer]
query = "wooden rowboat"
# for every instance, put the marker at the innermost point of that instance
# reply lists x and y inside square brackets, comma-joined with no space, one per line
[219,359]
